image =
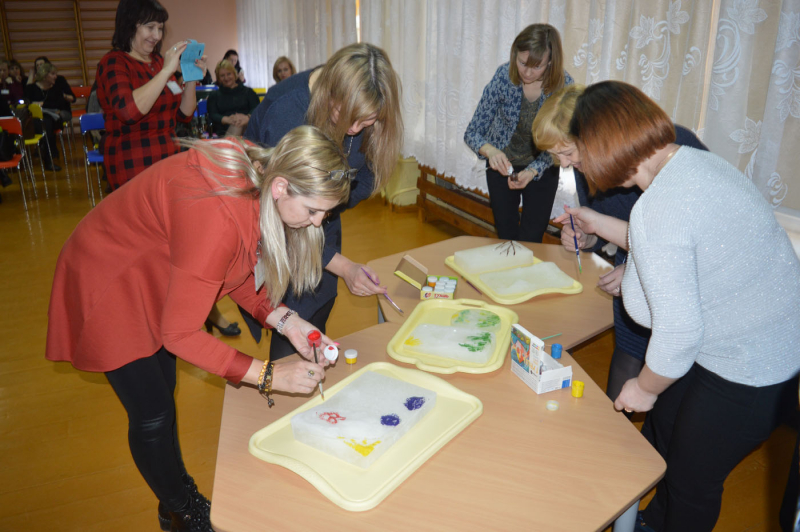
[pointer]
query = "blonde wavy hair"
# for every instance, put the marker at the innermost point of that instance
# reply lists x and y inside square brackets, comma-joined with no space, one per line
[305,157]
[359,81]
[551,125]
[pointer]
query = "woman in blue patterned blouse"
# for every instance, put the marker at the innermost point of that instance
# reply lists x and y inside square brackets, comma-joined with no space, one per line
[500,132]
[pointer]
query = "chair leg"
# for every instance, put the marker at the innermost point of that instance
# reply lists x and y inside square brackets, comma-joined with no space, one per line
[89,188]
[22,188]
[99,184]
[33,173]
[66,162]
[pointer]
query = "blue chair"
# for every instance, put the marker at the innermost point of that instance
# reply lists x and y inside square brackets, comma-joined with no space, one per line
[92,122]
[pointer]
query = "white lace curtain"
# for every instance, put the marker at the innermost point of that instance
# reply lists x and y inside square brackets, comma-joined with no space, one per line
[305,31]
[728,69]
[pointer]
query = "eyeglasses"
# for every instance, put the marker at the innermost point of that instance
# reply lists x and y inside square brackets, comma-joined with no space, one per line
[338,175]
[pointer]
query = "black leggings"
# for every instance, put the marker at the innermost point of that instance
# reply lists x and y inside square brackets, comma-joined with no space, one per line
[537,202]
[146,388]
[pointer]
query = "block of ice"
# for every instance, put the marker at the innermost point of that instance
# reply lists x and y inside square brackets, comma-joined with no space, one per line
[464,343]
[481,319]
[529,279]
[493,257]
[363,420]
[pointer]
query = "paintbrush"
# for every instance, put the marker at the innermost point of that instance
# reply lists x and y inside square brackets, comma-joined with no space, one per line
[575,239]
[389,299]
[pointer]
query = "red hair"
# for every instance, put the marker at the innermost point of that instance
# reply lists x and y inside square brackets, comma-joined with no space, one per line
[617,127]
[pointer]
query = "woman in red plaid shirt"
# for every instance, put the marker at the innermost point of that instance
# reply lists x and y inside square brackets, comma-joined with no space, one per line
[138,91]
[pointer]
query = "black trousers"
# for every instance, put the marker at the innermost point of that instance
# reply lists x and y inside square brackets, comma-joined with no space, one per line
[146,388]
[703,426]
[537,202]
[279,346]
[624,367]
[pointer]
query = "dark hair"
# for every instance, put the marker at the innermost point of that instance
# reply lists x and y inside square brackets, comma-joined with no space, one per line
[43,58]
[617,127]
[229,53]
[130,15]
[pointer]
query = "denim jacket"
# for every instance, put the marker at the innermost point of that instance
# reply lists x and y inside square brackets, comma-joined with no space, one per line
[497,115]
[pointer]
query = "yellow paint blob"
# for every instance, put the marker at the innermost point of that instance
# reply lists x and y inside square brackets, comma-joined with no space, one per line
[412,341]
[362,448]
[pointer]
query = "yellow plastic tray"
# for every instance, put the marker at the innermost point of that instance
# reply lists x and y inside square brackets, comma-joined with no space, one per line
[351,487]
[439,312]
[511,299]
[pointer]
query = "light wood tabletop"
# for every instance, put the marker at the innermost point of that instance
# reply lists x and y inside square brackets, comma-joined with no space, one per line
[577,317]
[518,466]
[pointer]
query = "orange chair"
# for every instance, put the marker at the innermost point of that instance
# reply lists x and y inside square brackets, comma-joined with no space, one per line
[13,126]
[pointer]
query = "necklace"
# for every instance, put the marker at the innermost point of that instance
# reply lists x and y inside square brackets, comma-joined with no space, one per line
[665,160]
[349,147]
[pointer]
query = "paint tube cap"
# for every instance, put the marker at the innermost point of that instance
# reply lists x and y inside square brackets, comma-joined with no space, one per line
[551,405]
[555,351]
[331,352]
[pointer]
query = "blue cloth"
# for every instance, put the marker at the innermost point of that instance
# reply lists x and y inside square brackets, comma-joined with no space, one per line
[618,202]
[283,109]
[497,116]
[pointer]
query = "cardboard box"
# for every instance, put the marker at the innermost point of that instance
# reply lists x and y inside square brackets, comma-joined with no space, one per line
[416,274]
[529,361]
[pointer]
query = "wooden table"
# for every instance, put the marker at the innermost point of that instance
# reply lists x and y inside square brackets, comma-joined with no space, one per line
[517,467]
[577,317]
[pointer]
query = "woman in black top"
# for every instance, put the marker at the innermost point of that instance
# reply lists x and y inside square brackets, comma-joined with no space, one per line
[61,83]
[230,107]
[55,109]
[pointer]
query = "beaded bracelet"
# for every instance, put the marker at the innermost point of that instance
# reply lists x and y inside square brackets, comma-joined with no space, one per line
[265,381]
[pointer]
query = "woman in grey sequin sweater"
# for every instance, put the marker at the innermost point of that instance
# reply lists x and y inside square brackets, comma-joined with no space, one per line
[715,277]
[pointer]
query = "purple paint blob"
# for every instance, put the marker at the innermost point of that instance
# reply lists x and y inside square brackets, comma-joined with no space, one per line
[414,403]
[390,420]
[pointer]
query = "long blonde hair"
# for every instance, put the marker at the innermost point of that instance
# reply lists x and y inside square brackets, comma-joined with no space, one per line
[305,157]
[360,82]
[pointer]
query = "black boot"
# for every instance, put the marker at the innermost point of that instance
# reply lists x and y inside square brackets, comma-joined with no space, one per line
[194,518]
[164,517]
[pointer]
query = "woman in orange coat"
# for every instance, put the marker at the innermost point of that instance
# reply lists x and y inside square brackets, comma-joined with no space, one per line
[136,279]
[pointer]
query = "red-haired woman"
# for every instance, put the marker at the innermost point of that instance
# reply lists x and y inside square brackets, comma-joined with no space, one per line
[715,277]
[500,132]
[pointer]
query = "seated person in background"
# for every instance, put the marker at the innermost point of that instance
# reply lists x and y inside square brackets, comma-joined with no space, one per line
[51,100]
[10,89]
[15,71]
[61,82]
[47,92]
[233,58]
[283,69]
[230,107]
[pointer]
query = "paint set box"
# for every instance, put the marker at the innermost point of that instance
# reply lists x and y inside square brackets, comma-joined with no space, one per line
[529,361]
[443,287]
[430,286]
